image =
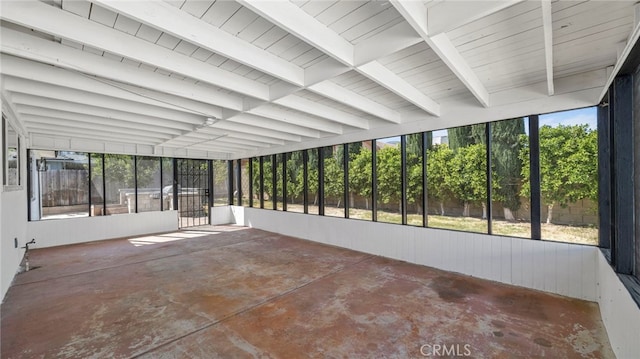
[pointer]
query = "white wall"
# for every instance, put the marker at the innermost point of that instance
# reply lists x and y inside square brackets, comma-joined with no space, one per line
[619,311]
[560,268]
[49,233]
[13,224]
[221,215]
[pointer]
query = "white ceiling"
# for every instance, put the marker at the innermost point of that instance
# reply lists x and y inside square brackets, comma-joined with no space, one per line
[143,77]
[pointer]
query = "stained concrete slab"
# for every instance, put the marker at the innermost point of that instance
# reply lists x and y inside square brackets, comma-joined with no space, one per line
[222,292]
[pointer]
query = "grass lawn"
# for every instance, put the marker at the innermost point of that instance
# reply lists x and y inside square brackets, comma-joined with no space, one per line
[552,232]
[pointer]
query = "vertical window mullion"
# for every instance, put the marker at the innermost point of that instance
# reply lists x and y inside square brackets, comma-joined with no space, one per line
[135,183]
[425,193]
[345,171]
[534,175]
[320,181]
[284,181]
[489,204]
[274,181]
[261,182]
[374,182]
[251,190]
[305,180]
[403,178]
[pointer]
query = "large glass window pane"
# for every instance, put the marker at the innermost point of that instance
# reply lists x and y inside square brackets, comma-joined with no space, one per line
[295,182]
[389,177]
[415,154]
[244,182]
[569,176]
[97,184]
[279,178]
[255,163]
[511,207]
[457,179]
[148,181]
[167,184]
[333,181]
[267,174]
[120,185]
[313,176]
[60,184]
[360,180]
[220,183]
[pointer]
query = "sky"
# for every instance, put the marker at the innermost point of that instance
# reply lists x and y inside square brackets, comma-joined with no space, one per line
[587,116]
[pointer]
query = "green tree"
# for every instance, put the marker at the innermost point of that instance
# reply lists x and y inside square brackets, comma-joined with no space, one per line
[568,166]
[360,175]
[438,159]
[333,179]
[468,179]
[505,150]
[389,175]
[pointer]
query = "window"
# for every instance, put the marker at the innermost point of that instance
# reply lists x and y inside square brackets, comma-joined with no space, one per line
[279,178]
[149,188]
[415,175]
[569,176]
[333,181]
[119,178]
[256,183]
[295,182]
[360,180]
[457,179]
[267,182]
[389,178]
[167,184]
[313,176]
[97,184]
[244,182]
[11,161]
[59,184]
[220,183]
[510,160]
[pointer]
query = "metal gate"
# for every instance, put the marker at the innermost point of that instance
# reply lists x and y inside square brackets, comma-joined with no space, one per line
[193,192]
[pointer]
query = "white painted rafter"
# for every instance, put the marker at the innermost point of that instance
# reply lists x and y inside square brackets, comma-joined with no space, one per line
[328,113]
[297,119]
[547,25]
[416,15]
[59,23]
[448,15]
[180,24]
[47,52]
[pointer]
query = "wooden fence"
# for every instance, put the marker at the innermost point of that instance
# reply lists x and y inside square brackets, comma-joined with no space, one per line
[64,187]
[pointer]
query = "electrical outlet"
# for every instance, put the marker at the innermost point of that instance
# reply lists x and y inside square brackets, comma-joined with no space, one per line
[15,242]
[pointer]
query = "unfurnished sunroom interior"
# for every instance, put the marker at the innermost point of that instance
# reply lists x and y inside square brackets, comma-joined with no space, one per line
[200,178]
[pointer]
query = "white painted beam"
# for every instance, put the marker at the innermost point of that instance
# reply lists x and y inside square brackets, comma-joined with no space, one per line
[31,70]
[180,24]
[293,118]
[345,96]
[89,119]
[86,98]
[327,112]
[547,26]
[389,80]
[448,15]
[266,123]
[60,23]
[416,15]
[38,121]
[394,39]
[57,105]
[239,127]
[73,132]
[47,52]
[292,18]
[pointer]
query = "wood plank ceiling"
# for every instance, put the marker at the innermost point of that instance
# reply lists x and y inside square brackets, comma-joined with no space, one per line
[227,79]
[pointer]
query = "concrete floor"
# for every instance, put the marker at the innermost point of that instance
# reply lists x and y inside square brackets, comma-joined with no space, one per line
[230,292]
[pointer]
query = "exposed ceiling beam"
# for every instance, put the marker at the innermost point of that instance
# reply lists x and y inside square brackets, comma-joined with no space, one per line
[239,127]
[60,23]
[65,134]
[292,18]
[36,121]
[324,111]
[448,15]
[547,26]
[266,123]
[394,39]
[70,116]
[169,19]
[386,78]
[73,131]
[30,47]
[416,15]
[31,70]
[106,113]
[340,94]
[70,95]
[297,119]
